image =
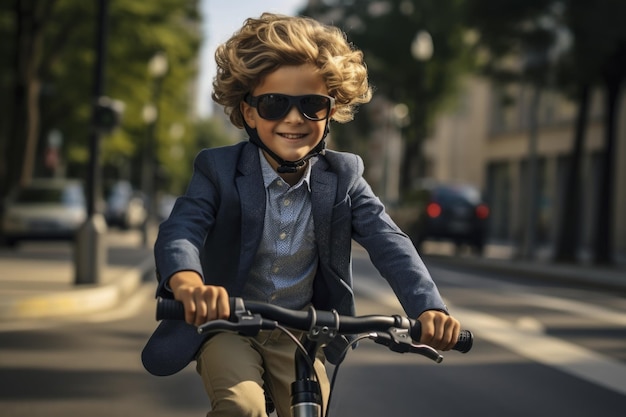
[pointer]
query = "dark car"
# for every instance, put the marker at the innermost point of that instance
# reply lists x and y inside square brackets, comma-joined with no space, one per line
[451,212]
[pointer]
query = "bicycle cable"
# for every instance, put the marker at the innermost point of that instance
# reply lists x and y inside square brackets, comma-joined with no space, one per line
[308,360]
[343,355]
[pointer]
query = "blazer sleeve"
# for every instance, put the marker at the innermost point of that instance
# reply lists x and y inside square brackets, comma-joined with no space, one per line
[181,236]
[390,249]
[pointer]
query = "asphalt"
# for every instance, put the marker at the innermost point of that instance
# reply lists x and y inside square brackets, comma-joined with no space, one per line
[37,281]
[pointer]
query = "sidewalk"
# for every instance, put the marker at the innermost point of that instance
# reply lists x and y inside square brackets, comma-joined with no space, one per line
[37,281]
[500,257]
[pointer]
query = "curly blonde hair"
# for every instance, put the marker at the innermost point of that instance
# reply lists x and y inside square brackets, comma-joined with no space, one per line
[263,45]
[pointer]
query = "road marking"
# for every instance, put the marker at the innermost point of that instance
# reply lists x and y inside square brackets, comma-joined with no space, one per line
[547,350]
[525,338]
[578,308]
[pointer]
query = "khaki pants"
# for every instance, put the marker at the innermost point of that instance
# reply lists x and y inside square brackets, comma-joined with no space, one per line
[235,368]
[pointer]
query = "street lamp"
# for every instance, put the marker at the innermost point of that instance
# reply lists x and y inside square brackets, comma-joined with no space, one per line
[157,69]
[422,50]
[90,251]
[158,65]
[397,119]
[422,46]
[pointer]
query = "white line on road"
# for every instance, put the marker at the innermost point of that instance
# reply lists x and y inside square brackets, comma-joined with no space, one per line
[547,350]
[527,341]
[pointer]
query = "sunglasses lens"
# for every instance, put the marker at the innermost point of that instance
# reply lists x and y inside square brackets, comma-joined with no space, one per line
[273,106]
[315,107]
[276,106]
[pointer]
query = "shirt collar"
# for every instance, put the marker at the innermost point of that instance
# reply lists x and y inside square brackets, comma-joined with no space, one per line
[270,175]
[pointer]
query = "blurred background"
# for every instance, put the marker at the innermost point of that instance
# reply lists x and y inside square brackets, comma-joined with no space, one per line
[520,101]
[496,138]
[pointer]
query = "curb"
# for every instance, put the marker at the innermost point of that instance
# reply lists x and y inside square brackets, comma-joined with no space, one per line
[581,275]
[82,300]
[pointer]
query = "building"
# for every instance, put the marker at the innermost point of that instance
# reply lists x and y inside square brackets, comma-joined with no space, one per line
[488,143]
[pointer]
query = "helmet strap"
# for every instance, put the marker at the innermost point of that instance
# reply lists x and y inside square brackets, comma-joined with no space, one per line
[288,167]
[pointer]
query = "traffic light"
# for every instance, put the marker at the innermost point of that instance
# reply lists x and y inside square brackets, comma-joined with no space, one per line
[107,114]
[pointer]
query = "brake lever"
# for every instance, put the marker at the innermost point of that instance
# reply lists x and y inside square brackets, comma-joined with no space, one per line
[398,340]
[246,325]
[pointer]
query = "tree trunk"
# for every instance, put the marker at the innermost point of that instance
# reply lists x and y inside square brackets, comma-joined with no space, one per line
[408,169]
[529,236]
[603,244]
[30,17]
[569,229]
[14,155]
[413,161]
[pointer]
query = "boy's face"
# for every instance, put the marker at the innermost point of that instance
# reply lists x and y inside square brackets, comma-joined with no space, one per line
[292,136]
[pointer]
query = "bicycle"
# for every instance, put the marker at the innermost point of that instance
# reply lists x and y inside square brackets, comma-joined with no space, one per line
[249,318]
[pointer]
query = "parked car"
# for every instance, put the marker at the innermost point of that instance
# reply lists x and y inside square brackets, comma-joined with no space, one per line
[451,212]
[125,206]
[44,209]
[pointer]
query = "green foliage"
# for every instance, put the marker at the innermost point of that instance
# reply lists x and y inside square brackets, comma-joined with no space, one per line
[385,31]
[518,36]
[136,30]
[177,158]
[575,39]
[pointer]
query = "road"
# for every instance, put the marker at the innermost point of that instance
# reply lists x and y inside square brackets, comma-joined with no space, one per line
[540,350]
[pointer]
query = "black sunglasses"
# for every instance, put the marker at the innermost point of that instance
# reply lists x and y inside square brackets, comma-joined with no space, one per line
[275,106]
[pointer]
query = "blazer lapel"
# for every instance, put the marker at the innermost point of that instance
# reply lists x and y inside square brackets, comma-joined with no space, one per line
[252,196]
[323,189]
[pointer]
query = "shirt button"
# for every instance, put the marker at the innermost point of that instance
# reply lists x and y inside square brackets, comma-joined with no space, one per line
[279,183]
[282,236]
[275,269]
[286,202]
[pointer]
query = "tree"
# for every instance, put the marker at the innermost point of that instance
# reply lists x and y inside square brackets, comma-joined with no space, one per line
[387,31]
[30,19]
[137,30]
[600,47]
[568,238]
[177,159]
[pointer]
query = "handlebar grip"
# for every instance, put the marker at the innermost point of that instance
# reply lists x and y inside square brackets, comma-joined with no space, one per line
[463,344]
[168,309]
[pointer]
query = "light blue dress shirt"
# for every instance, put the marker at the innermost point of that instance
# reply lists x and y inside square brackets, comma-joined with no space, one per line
[286,261]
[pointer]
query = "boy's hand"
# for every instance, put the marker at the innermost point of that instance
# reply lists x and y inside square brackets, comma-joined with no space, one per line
[439,330]
[202,302]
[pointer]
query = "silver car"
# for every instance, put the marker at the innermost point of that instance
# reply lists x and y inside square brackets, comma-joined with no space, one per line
[44,209]
[125,206]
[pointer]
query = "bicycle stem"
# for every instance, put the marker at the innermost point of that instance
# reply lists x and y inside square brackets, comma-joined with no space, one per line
[306,395]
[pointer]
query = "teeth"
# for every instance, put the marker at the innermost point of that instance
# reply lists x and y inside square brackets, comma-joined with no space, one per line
[292,136]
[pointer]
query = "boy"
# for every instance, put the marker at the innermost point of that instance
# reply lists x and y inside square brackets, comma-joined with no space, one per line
[272,219]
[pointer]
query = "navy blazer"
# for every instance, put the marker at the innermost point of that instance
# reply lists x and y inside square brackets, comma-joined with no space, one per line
[216,227]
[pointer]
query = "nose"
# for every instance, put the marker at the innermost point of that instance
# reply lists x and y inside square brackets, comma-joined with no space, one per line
[294,115]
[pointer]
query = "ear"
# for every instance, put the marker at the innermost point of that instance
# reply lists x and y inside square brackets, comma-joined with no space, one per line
[248,114]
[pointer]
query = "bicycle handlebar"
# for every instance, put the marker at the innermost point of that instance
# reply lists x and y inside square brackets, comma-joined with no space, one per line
[249,317]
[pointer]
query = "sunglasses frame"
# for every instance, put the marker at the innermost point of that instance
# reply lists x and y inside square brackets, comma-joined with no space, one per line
[293,101]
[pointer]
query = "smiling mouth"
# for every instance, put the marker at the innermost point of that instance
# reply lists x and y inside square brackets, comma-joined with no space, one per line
[292,135]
